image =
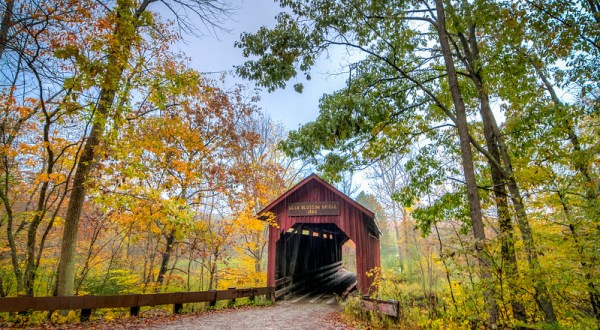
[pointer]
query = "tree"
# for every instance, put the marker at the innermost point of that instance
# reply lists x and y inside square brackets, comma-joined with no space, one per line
[389,177]
[367,28]
[36,139]
[428,68]
[128,21]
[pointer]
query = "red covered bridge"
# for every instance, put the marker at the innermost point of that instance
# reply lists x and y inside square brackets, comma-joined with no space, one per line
[305,250]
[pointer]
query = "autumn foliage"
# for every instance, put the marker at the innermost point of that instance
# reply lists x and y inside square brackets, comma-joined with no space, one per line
[123,169]
[169,167]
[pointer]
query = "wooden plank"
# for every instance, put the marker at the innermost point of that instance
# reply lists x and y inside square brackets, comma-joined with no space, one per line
[18,304]
[282,281]
[267,291]
[386,307]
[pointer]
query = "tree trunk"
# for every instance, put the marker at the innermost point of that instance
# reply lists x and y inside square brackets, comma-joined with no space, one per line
[443,257]
[505,222]
[468,168]
[212,282]
[66,265]
[406,229]
[499,152]
[541,291]
[398,241]
[471,59]
[117,60]
[592,289]
[30,265]
[500,197]
[165,258]
[2,292]
[5,25]
[14,256]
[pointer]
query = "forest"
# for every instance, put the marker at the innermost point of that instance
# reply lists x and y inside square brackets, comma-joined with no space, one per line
[475,123]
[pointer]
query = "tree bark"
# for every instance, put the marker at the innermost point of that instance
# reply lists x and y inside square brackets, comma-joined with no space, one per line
[468,168]
[5,25]
[541,291]
[117,60]
[592,289]
[506,230]
[470,59]
[30,265]
[499,152]
[165,258]
[11,239]
[396,225]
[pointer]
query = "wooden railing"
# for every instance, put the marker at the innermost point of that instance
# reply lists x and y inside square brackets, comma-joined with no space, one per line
[282,286]
[386,307]
[133,301]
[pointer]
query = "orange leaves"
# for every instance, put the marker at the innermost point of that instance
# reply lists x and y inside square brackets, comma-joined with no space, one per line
[8,151]
[25,148]
[103,24]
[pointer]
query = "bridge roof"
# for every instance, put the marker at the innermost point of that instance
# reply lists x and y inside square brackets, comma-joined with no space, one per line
[314,177]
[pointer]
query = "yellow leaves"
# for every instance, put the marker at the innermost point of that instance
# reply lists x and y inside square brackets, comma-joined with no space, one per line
[42,177]
[182,167]
[270,218]
[25,148]
[8,151]
[55,178]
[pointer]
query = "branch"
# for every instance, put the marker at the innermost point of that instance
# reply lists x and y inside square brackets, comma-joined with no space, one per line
[565,23]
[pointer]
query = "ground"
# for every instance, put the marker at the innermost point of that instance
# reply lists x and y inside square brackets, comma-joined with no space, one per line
[306,312]
[315,307]
[283,315]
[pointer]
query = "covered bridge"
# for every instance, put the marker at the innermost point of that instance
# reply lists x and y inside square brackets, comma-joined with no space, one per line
[314,220]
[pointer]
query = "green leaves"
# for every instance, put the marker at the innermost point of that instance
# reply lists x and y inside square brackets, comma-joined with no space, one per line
[283,51]
[448,206]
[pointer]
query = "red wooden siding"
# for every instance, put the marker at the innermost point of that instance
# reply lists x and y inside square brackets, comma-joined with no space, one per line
[354,220]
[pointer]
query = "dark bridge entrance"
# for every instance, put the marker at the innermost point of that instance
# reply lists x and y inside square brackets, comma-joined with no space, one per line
[314,220]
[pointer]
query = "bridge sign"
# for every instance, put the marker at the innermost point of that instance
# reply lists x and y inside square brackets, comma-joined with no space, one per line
[313,208]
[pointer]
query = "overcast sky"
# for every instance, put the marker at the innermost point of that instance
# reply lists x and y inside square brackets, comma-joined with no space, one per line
[218,54]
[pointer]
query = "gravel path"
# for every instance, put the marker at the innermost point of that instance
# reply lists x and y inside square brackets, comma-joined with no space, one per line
[283,315]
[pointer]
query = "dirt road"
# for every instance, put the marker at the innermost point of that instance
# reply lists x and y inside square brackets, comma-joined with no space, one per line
[283,315]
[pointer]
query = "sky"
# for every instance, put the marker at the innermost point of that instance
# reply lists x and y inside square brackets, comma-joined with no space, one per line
[214,55]
[217,54]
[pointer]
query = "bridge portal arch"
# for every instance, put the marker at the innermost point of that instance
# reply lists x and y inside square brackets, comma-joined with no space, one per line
[314,220]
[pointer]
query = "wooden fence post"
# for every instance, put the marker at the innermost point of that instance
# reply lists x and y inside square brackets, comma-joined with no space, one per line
[134,311]
[85,315]
[232,301]
[386,307]
[213,302]
[271,295]
[177,308]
